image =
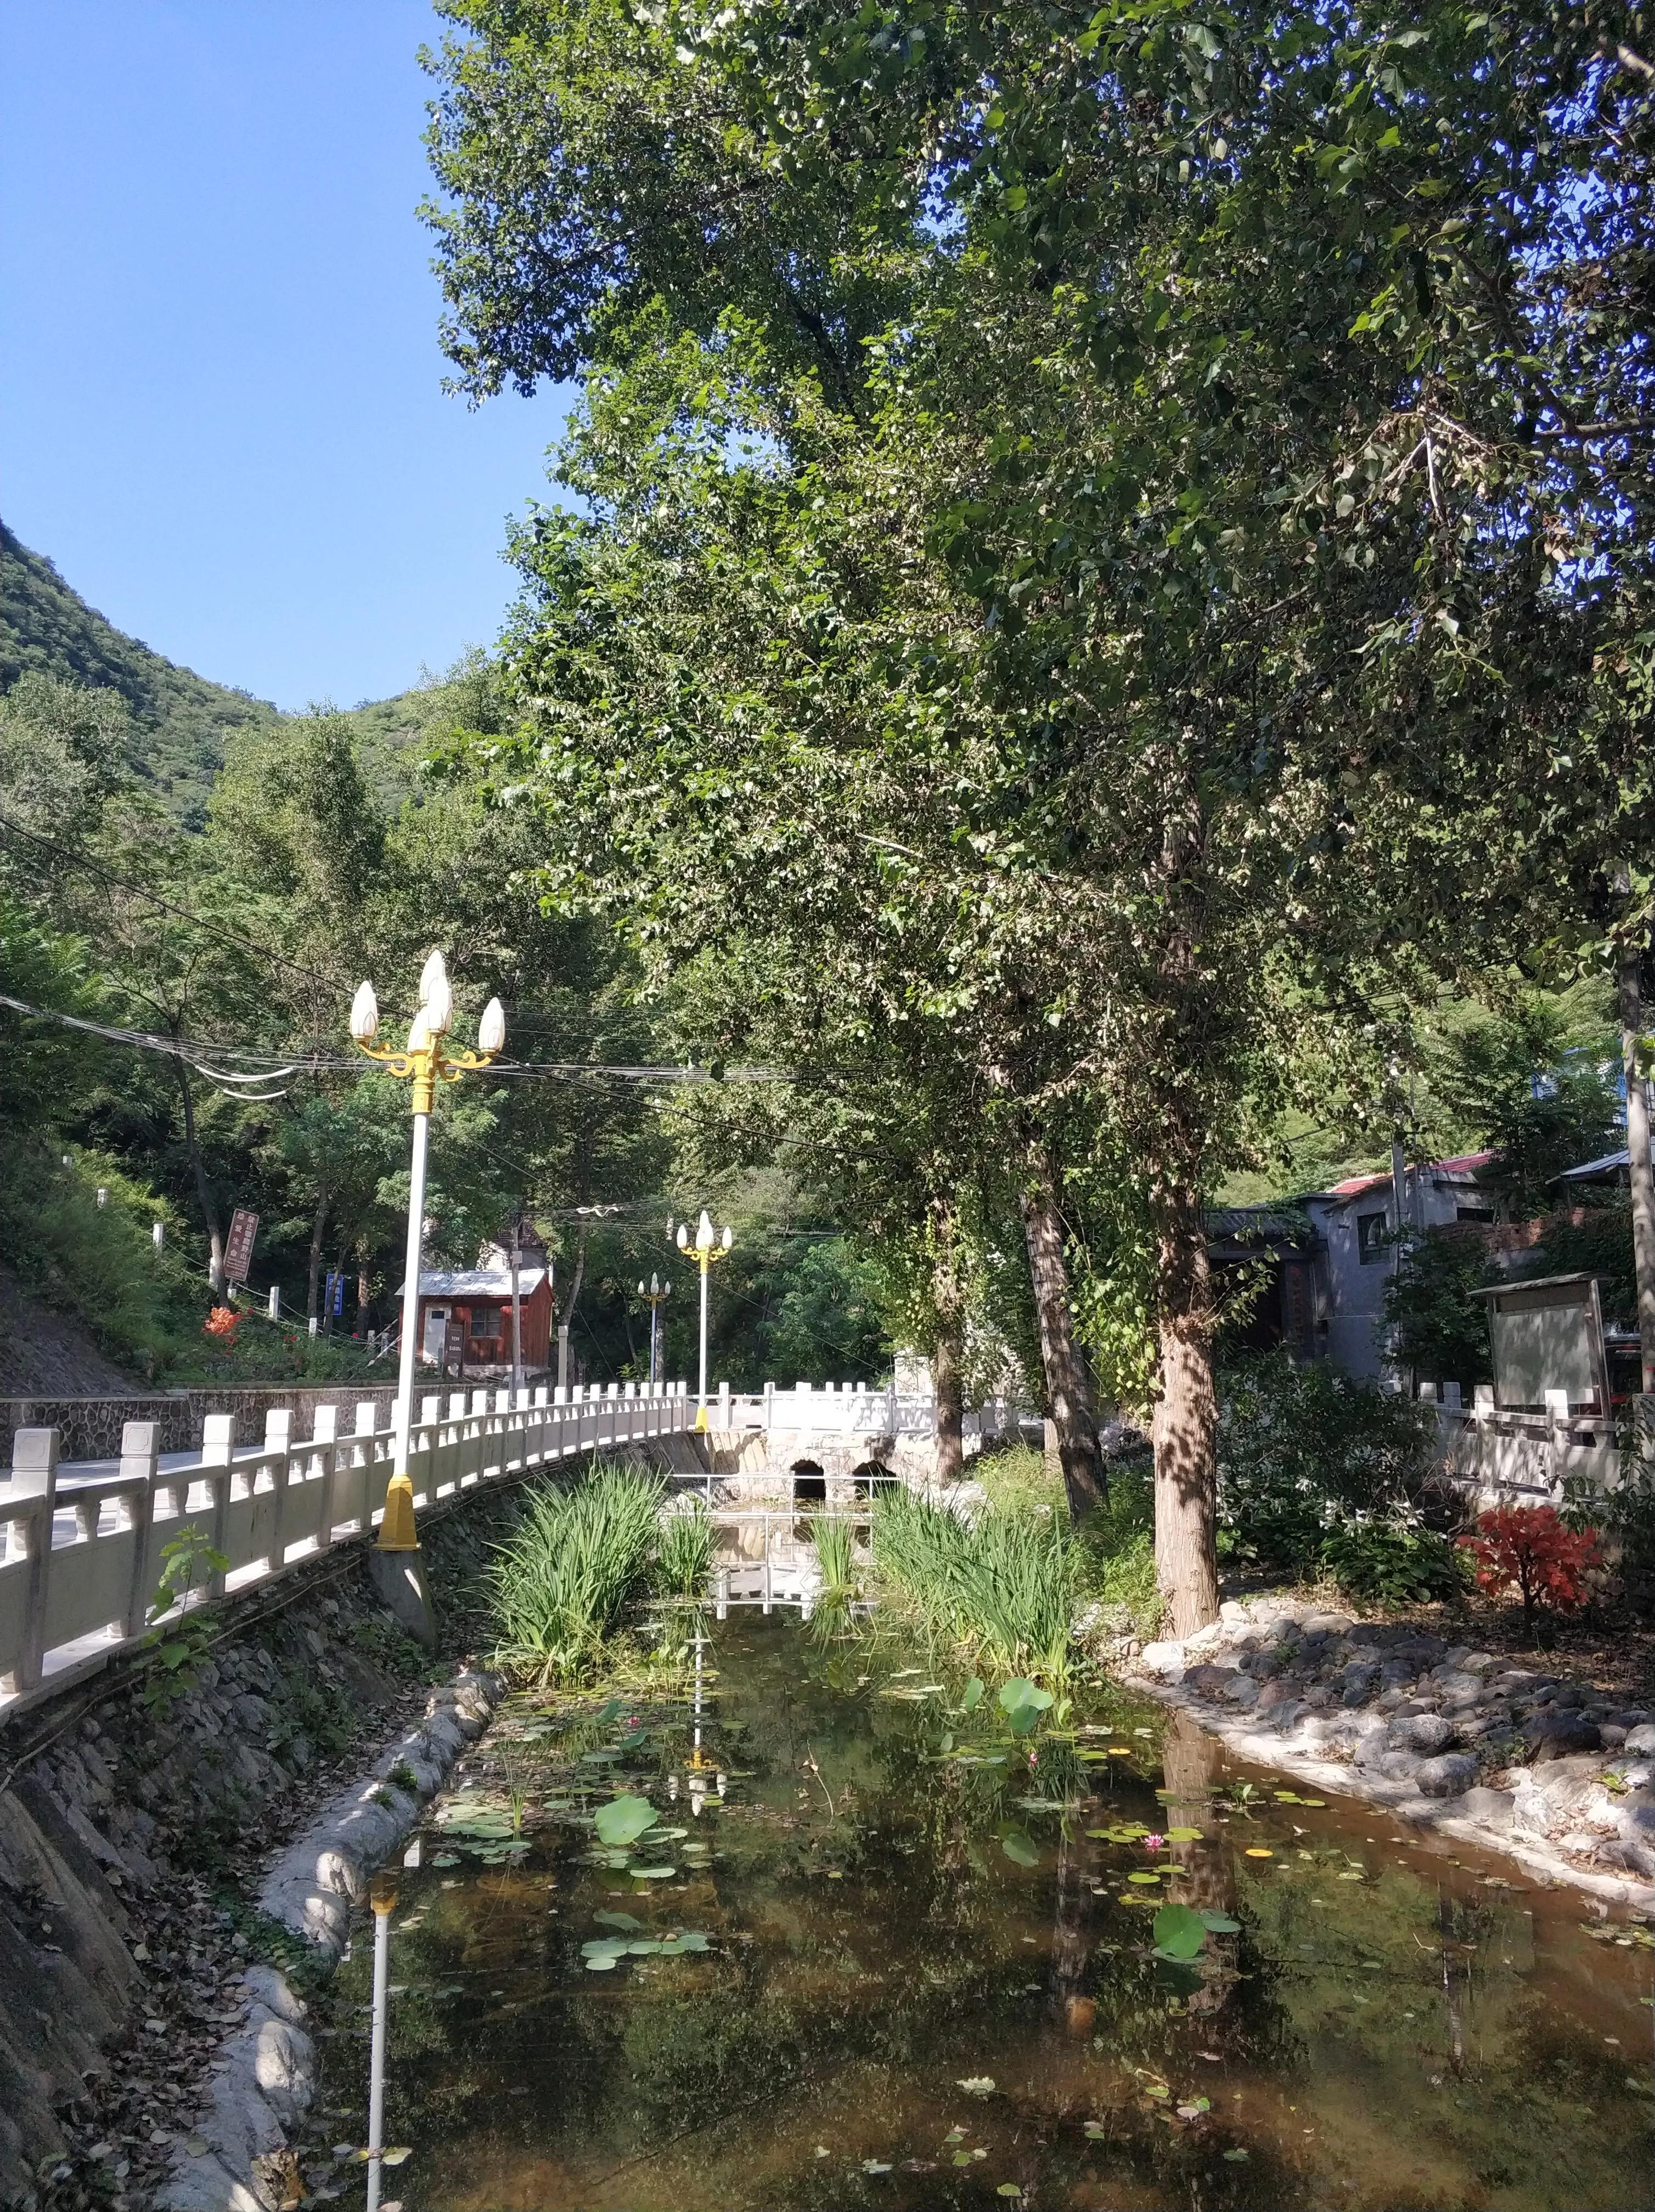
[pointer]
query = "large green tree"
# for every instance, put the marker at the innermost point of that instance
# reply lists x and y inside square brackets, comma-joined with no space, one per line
[1221,477]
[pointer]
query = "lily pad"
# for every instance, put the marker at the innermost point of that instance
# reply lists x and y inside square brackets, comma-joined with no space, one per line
[1179,1932]
[1018,1848]
[618,1920]
[1220,1924]
[623,1819]
[1143,1878]
[1022,1702]
[1183,1835]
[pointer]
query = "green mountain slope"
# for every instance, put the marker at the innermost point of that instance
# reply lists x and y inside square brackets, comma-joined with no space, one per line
[180,720]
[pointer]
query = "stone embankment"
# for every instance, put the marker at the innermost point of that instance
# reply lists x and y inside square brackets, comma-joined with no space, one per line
[1549,1770]
[150,1854]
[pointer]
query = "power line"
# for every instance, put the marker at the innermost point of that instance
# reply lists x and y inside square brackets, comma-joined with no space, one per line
[99,868]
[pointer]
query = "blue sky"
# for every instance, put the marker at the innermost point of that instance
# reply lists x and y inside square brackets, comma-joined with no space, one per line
[221,403]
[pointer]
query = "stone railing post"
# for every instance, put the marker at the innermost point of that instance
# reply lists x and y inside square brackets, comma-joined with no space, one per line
[141,1463]
[217,1452]
[34,1471]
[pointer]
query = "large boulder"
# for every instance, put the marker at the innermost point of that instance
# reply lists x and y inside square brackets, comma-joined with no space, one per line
[1554,1733]
[1424,1733]
[1492,1807]
[1165,1659]
[1209,1680]
[1640,1740]
[1450,1776]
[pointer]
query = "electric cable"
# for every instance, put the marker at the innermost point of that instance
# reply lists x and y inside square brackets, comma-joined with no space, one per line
[106,874]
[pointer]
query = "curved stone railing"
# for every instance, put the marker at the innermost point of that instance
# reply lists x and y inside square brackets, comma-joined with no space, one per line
[81,1544]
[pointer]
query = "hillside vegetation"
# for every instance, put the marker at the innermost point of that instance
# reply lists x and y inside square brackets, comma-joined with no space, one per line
[179,721]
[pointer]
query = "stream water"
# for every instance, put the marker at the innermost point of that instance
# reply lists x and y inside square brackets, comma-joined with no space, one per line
[928,1980]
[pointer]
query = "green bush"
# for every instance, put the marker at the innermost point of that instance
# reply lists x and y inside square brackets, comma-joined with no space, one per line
[1393,1556]
[1300,1449]
[560,1581]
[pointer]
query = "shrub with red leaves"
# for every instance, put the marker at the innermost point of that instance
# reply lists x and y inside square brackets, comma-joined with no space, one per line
[221,1323]
[1529,1548]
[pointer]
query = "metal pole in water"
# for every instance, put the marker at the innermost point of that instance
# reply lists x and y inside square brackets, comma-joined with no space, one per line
[384,1899]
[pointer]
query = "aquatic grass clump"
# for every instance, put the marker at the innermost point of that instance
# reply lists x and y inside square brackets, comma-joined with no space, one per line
[840,1586]
[559,1583]
[684,1551]
[835,1560]
[1004,1588]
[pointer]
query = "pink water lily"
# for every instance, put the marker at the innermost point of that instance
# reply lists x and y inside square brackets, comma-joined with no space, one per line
[1154,1842]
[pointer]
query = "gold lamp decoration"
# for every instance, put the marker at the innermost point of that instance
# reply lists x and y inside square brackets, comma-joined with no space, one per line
[710,1246]
[423,1063]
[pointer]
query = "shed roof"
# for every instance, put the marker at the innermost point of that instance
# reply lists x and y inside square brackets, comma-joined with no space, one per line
[1591,1171]
[478,1282]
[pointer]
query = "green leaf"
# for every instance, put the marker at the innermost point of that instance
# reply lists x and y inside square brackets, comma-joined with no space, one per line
[1018,1848]
[1179,1932]
[1220,1924]
[972,1696]
[623,1819]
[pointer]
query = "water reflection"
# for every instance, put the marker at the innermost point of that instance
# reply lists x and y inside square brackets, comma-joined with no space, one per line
[795,1996]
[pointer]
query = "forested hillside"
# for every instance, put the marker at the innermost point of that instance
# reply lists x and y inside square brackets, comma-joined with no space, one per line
[178,720]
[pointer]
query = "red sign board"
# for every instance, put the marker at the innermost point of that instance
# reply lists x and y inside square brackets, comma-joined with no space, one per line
[238,1253]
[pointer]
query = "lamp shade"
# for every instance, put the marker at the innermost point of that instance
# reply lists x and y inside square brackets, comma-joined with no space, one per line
[491,1030]
[364,1014]
[435,997]
[683,1236]
[704,1232]
[729,1238]
[419,1032]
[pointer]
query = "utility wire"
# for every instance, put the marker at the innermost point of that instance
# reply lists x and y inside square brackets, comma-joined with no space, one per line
[88,865]
[197,1054]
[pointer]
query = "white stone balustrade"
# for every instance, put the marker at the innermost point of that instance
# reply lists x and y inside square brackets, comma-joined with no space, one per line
[80,1546]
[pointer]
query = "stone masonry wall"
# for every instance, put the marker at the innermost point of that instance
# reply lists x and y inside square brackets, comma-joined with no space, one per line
[131,1842]
[90,1428]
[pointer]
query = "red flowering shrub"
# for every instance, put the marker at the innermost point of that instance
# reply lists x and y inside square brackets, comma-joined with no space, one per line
[221,1323]
[1529,1548]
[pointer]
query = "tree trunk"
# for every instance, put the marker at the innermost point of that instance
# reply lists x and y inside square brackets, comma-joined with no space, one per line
[1186,1420]
[948,1343]
[318,1223]
[203,1188]
[1068,1391]
[1641,1177]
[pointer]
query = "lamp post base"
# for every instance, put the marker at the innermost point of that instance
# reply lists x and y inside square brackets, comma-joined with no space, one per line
[398,1582]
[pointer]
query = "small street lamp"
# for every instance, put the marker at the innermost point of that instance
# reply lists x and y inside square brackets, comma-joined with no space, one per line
[424,1061]
[708,1250]
[655,1297]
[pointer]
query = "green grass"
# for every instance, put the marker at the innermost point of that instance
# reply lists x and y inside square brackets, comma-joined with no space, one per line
[684,1551]
[561,1581]
[1117,1544]
[1004,1590]
[836,1560]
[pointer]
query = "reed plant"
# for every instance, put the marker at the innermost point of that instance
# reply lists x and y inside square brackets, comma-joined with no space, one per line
[836,1559]
[684,1551]
[1004,1588]
[560,1581]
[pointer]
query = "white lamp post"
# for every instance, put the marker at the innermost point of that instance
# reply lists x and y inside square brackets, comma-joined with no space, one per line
[708,1248]
[423,1063]
[655,1297]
